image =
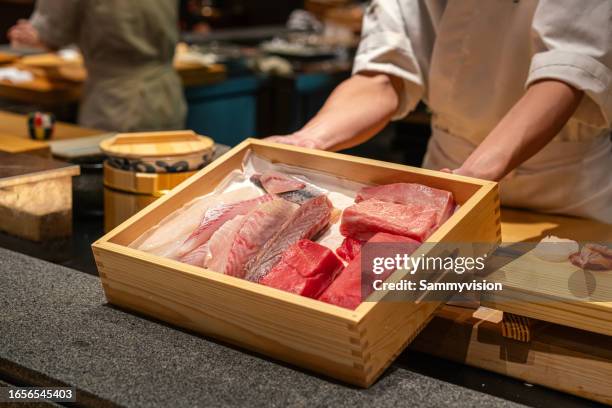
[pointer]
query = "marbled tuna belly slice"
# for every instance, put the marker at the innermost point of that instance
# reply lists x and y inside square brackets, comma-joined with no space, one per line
[363,220]
[259,226]
[305,223]
[441,201]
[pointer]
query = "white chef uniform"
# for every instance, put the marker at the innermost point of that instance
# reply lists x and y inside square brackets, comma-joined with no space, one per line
[470,61]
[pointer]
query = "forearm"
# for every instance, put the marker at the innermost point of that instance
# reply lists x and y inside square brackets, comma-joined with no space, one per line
[356,110]
[529,126]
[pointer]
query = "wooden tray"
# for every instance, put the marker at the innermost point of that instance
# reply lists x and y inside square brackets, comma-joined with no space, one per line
[353,346]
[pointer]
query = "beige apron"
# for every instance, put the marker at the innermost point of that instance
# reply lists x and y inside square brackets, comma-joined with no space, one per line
[566,177]
[128,48]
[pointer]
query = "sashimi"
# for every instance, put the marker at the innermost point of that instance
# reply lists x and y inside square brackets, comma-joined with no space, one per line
[165,238]
[299,196]
[274,182]
[361,221]
[197,257]
[306,269]
[305,223]
[214,218]
[353,284]
[220,244]
[258,227]
[349,249]
[411,193]
[595,257]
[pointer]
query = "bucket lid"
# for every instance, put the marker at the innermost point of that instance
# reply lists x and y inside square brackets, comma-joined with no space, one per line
[156,144]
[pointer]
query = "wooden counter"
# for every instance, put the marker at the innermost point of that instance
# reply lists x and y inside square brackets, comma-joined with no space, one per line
[17,125]
[47,89]
[527,226]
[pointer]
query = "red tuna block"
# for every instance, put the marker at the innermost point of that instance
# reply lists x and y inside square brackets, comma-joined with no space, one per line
[346,290]
[349,249]
[306,269]
[361,221]
[410,193]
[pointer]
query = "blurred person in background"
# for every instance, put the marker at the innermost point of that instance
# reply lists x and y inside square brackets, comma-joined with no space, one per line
[520,90]
[128,49]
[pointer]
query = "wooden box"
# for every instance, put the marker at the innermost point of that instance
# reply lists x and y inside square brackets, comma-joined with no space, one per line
[35,196]
[353,346]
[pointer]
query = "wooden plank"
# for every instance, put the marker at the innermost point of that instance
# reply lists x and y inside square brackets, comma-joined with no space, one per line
[14,144]
[354,346]
[568,360]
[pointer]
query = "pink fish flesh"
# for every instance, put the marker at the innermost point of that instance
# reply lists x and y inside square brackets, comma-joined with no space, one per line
[167,237]
[275,183]
[299,196]
[214,218]
[258,227]
[220,244]
[363,220]
[441,201]
[305,223]
[197,257]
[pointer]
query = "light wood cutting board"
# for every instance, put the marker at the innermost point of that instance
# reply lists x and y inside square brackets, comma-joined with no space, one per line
[555,292]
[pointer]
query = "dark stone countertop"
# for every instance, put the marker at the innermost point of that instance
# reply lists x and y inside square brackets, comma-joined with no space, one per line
[57,329]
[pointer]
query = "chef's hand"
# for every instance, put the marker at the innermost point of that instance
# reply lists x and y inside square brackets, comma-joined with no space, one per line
[460,172]
[23,34]
[296,139]
[532,123]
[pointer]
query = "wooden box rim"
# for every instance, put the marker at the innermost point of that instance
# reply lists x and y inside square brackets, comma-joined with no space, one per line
[351,317]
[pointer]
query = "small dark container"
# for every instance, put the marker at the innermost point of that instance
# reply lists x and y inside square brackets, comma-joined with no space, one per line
[88,188]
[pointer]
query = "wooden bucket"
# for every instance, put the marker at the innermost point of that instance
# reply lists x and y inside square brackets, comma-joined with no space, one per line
[127,192]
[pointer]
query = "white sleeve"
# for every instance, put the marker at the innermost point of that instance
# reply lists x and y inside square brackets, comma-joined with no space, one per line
[57,21]
[397,40]
[573,44]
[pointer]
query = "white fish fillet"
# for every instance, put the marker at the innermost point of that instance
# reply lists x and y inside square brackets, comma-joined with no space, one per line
[166,237]
[220,244]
